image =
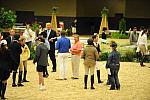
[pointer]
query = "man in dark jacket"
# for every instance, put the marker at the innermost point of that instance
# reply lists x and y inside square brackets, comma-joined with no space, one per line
[15,51]
[113,65]
[10,38]
[50,39]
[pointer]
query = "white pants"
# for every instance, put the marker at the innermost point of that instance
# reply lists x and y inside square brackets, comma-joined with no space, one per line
[97,66]
[75,65]
[63,59]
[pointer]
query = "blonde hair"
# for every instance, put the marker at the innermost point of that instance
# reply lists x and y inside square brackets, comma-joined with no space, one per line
[76,35]
[22,38]
[48,24]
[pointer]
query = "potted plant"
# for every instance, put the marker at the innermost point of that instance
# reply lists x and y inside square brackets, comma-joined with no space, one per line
[7,19]
[122,26]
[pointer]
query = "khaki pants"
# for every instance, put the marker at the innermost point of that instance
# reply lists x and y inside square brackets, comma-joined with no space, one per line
[142,49]
[90,67]
[97,66]
[75,65]
[23,64]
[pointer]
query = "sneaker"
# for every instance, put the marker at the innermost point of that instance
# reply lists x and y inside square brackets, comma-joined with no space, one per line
[46,76]
[42,88]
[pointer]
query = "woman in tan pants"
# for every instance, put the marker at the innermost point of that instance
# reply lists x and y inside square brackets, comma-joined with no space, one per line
[25,55]
[75,56]
[90,56]
[142,44]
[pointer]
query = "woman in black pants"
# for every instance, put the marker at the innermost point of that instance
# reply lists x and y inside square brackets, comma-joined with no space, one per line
[5,68]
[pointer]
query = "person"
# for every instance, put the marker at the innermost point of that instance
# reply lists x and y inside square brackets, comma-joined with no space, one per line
[5,67]
[50,39]
[142,45]
[63,45]
[133,36]
[113,65]
[90,56]
[39,30]
[1,37]
[10,38]
[41,57]
[15,51]
[138,53]
[104,38]
[28,34]
[25,55]
[97,46]
[74,25]
[75,56]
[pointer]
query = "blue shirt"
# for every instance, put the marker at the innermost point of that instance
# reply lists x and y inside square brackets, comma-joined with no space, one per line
[63,45]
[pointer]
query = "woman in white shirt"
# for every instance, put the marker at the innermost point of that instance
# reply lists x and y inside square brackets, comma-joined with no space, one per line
[142,44]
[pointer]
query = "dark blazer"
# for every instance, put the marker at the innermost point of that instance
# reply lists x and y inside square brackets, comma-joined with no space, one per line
[5,60]
[51,35]
[15,51]
[104,35]
[41,55]
[8,39]
[5,64]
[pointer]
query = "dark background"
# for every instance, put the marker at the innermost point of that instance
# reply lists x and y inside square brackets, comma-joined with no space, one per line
[87,12]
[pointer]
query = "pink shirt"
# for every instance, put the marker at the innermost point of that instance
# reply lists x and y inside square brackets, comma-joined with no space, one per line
[76,46]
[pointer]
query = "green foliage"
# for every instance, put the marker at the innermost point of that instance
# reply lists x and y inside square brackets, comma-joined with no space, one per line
[35,26]
[104,11]
[122,26]
[68,32]
[148,37]
[32,53]
[54,10]
[104,56]
[7,18]
[148,47]
[127,55]
[117,35]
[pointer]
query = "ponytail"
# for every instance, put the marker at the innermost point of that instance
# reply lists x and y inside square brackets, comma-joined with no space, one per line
[144,31]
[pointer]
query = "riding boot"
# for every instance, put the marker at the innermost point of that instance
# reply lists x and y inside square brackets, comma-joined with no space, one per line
[20,79]
[92,82]
[108,80]
[98,76]
[24,77]
[0,88]
[85,81]
[14,79]
[3,91]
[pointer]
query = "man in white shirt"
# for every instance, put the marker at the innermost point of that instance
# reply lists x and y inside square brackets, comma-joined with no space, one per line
[28,34]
